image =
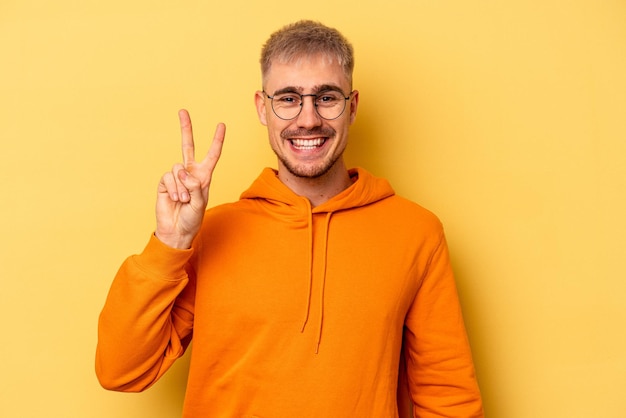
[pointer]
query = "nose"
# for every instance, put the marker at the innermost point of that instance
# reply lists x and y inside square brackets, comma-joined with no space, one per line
[308,117]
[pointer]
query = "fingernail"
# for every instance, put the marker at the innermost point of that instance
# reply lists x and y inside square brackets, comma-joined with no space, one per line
[185,197]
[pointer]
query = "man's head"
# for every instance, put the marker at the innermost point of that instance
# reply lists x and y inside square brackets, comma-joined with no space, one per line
[307,101]
[307,38]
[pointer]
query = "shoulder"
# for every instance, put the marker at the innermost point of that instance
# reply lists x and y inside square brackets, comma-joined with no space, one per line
[230,210]
[410,212]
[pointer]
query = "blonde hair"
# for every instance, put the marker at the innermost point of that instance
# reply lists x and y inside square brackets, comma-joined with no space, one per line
[307,38]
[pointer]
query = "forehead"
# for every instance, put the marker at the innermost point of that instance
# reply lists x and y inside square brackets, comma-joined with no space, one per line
[305,73]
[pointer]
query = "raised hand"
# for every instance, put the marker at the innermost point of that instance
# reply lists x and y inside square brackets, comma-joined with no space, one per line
[183,193]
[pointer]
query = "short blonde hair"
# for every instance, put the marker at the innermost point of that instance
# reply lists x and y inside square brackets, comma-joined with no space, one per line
[307,38]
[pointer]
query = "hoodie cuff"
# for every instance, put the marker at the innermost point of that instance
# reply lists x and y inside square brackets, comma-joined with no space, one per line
[162,261]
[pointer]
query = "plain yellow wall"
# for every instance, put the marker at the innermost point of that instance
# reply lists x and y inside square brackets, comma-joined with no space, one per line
[506,118]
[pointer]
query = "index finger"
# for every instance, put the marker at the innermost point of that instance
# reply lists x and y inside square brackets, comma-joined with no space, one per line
[186,132]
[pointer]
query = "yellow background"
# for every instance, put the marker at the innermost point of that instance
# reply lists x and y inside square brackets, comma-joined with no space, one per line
[506,118]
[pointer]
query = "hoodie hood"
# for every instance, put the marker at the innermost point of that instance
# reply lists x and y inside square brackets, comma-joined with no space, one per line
[284,204]
[365,189]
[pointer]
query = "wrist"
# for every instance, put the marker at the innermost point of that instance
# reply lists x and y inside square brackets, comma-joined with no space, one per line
[176,241]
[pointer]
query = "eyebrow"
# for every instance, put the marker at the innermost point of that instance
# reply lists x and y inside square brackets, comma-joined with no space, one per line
[316,89]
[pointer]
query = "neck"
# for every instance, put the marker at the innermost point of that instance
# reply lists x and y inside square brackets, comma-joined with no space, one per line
[319,189]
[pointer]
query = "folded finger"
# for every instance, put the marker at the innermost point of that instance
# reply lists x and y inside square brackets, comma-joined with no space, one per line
[168,185]
[181,191]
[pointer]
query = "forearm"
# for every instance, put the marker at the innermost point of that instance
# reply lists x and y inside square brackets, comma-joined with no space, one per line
[145,324]
[438,356]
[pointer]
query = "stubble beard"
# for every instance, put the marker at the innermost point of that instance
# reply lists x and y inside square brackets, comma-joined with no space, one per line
[308,171]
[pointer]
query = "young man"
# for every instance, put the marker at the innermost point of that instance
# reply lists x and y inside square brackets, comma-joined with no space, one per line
[302,296]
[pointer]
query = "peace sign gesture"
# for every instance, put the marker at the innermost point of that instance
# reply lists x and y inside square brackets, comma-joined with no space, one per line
[183,192]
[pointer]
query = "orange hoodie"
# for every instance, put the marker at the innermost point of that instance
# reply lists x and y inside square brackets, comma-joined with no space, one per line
[297,311]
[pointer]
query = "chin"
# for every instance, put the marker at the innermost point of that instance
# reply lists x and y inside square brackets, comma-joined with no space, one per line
[308,171]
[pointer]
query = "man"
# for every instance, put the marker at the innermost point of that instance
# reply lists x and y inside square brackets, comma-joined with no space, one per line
[302,296]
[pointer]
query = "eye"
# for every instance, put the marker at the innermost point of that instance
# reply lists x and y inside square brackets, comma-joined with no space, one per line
[328,98]
[287,99]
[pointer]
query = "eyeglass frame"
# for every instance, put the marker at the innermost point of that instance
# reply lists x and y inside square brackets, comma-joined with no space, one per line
[314,96]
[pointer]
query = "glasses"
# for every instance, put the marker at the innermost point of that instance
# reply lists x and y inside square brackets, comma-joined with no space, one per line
[329,104]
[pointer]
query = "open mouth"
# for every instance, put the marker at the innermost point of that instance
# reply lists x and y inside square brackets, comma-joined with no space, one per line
[307,144]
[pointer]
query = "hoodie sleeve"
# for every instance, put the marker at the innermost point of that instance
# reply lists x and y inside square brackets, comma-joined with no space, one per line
[439,366]
[147,319]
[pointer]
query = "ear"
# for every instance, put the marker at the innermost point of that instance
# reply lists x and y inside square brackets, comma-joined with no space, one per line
[261,109]
[354,103]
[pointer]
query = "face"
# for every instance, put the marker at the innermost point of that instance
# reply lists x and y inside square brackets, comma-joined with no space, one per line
[307,146]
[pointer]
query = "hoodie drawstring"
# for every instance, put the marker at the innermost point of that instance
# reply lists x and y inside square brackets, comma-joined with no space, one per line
[323,283]
[310,286]
[324,255]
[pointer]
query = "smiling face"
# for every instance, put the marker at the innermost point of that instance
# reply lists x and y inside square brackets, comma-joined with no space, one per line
[307,146]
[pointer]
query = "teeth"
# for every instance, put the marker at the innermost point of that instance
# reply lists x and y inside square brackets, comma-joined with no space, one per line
[307,143]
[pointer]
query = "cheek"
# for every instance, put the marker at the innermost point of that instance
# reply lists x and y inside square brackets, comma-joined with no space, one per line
[274,130]
[344,127]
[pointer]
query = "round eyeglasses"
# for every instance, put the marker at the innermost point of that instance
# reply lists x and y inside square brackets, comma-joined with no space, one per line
[329,104]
